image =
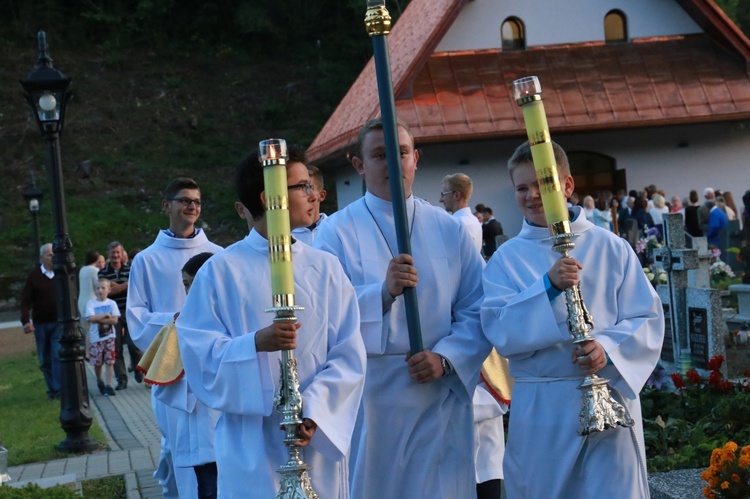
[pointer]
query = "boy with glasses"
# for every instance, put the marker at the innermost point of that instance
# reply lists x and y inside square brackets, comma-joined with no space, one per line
[155,295]
[307,234]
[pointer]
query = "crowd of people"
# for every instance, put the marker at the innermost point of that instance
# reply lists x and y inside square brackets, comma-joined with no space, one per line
[646,210]
[377,420]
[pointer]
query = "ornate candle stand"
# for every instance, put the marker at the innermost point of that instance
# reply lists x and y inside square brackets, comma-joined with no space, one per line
[600,410]
[295,480]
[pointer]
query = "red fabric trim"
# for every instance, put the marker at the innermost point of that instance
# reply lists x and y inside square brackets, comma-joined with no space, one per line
[492,391]
[157,383]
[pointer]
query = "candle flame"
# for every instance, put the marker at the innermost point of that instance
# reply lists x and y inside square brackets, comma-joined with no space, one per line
[271,151]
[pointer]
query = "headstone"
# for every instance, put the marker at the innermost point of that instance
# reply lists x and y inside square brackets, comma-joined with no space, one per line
[738,346]
[676,260]
[706,327]
[700,277]
[694,325]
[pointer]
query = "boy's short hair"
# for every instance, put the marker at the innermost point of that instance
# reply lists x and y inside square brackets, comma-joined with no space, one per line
[196,262]
[459,182]
[104,279]
[248,179]
[522,156]
[375,124]
[176,185]
[316,177]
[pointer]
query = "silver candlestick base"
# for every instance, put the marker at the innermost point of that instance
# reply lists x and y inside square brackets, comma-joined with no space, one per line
[600,411]
[295,480]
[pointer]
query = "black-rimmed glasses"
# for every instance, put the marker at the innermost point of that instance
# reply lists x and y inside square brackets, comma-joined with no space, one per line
[185,202]
[307,186]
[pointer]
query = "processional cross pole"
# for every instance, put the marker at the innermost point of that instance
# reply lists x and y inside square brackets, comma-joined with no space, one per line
[378,25]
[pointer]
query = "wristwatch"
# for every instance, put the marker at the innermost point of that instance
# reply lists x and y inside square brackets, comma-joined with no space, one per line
[447,367]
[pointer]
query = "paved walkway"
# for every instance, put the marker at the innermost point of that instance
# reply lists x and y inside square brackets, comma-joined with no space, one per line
[133,438]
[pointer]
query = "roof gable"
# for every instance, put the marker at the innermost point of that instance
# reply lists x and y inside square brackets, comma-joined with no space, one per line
[465,95]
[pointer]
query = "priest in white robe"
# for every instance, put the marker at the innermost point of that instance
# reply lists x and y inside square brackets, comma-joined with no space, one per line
[230,349]
[524,315]
[155,295]
[414,434]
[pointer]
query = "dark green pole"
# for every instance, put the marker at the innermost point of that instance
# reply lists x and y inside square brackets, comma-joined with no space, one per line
[378,24]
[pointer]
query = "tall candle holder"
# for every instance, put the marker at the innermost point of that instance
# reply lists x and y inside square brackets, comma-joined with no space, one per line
[295,480]
[600,410]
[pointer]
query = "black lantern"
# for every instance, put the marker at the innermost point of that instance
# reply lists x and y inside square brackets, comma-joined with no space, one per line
[33,196]
[47,92]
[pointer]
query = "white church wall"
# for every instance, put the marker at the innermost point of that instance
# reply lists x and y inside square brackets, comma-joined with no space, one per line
[478,24]
[676,159]
[349,186]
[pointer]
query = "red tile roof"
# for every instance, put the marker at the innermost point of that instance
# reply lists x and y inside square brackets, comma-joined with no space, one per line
[464,96]
[592,86]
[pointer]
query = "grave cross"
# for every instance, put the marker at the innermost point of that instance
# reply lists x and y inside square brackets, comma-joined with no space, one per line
[676,260]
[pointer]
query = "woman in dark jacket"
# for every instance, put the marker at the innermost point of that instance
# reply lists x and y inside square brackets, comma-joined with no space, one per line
[640,213]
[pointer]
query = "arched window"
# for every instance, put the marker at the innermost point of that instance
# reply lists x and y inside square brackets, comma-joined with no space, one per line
[513,34]
[615,27]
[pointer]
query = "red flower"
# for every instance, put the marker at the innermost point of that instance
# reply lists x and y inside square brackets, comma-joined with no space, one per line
[679,383]
[714,378]
[693,376]
[727,387]
[715,363]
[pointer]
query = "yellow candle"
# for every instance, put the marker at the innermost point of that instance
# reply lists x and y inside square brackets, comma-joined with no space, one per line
[528,95]
[277,222]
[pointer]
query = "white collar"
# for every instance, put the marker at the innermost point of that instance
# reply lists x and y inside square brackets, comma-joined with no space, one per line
[48,273]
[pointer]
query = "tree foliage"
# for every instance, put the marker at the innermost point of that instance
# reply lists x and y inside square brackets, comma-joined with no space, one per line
[738,11]
[190,22]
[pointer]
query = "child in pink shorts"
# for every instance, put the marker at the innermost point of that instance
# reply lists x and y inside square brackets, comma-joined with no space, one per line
[102,314]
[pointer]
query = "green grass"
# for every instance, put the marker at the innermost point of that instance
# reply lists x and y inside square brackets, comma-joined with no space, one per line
[112,487]
[29,423]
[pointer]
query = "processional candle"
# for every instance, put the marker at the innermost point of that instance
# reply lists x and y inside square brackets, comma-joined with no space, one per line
[528,94]
[273,156]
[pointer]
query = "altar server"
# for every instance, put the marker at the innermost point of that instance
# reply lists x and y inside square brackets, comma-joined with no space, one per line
[155,295]
[230,349]
[414,434]
[524,315]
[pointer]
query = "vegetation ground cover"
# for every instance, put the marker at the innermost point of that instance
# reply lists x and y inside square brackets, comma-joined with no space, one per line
[112,487]
[687,417]
[29,423]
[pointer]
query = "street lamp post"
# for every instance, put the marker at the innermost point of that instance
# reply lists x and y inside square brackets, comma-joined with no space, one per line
[46,91]
[33,196]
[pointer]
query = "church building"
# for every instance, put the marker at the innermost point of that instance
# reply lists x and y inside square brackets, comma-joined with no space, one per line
[638,92]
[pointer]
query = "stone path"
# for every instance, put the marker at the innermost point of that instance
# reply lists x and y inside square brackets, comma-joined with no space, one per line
[133,438]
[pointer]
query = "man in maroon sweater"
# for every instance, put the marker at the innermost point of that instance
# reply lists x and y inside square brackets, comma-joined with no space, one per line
[39,301]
